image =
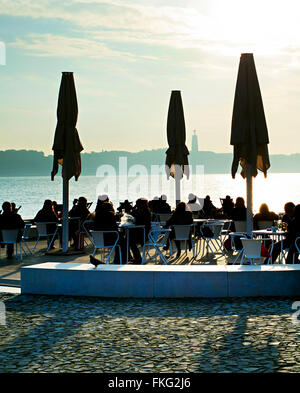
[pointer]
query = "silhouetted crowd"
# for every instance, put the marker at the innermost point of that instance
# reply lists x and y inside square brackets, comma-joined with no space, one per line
[106,218]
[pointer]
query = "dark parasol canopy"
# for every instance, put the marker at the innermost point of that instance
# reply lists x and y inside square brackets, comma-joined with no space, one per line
[67,145]
[249,133]
[177,153]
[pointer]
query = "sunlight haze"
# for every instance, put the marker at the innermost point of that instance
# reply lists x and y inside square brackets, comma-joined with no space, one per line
[127,57]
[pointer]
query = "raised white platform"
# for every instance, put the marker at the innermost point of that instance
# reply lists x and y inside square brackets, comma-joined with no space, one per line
[160,281]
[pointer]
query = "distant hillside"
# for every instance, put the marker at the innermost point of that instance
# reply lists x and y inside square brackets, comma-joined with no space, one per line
[35,163]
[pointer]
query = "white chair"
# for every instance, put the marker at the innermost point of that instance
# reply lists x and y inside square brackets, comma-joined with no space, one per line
[213,235]
[157,239]
[252,249]
[98,239]
[183,233]
[11,236]
[240,231]
[44,232]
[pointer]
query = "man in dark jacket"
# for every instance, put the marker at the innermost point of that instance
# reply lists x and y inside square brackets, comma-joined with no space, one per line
[10,220]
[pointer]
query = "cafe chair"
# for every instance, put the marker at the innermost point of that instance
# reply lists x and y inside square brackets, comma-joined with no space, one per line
[183,233]
[157,239]
[212,234]
[11,236]
[98,239]
[252,250]
[47,230]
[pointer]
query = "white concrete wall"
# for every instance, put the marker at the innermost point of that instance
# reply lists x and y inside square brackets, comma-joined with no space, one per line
[160,281]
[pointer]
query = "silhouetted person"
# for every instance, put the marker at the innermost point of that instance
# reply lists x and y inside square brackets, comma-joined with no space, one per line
[264,215]
[105,219]
[194,206]
[239,212]
[227,206]
[47,214]
[181,216]
[209,209]
[80,211]
[293,231]
[142,215]
[126,205]
[14,208]
[289,211]
[10,220]
[161,206]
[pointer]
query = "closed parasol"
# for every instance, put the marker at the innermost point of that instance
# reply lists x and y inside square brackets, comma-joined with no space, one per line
[177,153]
[67,145]
[249,133]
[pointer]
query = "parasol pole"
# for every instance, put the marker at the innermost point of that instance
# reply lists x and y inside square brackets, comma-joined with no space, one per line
[177,177]
[65,220]
[249,199]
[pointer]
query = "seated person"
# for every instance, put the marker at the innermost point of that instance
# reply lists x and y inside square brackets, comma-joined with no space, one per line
[289,210]
[181,216]
[126,205]
[142,215]
[293,231]
[162,207]
[209,209]
[264,215]
[10,220]
[47,214]
[227,206]
[194,206]
[80,211]
[105,219]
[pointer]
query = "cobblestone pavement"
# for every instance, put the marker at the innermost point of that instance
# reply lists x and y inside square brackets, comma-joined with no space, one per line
[67,334]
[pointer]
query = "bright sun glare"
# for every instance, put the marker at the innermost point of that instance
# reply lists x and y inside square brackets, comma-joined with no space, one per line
[264,27]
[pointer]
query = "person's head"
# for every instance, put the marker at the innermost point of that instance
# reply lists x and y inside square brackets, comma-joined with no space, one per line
[142,204]
[13,206]
[239,202]
[192,198]
[182,207]
[48,205]
[6,207]
[82,201]
[163,198]
[264,209]
[207,197]
[104,207]
[289,209]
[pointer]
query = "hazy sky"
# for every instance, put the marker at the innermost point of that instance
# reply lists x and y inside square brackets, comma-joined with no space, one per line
[128,55]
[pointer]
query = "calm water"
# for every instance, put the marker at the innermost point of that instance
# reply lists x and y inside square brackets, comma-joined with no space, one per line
[30,192]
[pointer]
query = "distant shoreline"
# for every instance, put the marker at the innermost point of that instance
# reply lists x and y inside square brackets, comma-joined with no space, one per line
[26,163]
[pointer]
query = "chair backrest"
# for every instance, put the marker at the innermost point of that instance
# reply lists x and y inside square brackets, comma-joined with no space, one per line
[163,217]
[182,232]
[216,229]
[264,224]
[252,247]
[98,238]
[158,236]
[42,227]
[240,226]
[9,235]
